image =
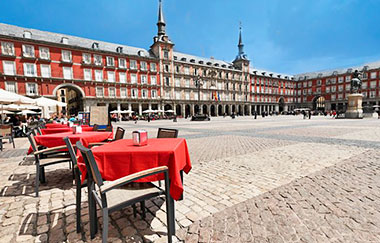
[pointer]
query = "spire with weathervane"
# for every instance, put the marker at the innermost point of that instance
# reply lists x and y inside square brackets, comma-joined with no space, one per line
[161,34]
[241,58]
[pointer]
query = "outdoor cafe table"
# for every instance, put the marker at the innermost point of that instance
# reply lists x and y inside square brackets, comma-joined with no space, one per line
[56,139]
[121,158]
[46,131]
[59,125]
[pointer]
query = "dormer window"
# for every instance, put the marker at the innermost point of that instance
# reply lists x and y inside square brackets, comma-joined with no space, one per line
[183,59]
[319,75]
[95,45]
[65,40]
[200,62]
[279,76]
[335,73]
[349,70]
[119,49]
[175,57]
[365,68]
[141,53]
[27,34]
[208,63]
[263,73]
[192,60]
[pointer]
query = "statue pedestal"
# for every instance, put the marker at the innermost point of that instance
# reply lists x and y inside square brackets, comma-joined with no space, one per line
[355,109]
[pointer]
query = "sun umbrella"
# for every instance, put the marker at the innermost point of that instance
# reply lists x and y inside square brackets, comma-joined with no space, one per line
[7,112]
[129,111]
[169,111]
[7,97]
[20,107]
[26,112]
[115,111]
[43,101]
[149,111]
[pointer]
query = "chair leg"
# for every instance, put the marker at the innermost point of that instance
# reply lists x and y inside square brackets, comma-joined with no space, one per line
[92,211]
[169,210]
[36,188]
[134,210]
[105,225]
[78,209]
[142,205]
[13,141]
[42,175]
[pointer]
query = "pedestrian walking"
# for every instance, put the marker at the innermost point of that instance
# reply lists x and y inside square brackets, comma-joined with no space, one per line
[309,114]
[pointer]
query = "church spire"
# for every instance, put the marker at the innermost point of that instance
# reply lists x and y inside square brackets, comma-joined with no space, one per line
[161,22]
[241,55]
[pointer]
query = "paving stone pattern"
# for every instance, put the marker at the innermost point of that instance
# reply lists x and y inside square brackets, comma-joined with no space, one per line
[278,179]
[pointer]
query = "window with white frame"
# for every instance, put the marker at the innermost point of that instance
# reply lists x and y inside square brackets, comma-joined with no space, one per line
[373,84]
[187,70]
[122,63]
[112,92]
[304,84]
[30,69]
[86,58]
[187,83]
[45,71]
[340,88]
[133,64]
[153,67]
[177,82]
[66,56]
[7,48]
[9,67]
[144,93]
[372,94]
[133,78]
[110,61]
[319,82]
[134,93]
[333,88]
[98,60]
[87,74]
[348,87]
[11,87]
[365,75]
[348,78]
[143,66]
[166,54]
[27,51]
[373,75]
[153,94]
[340,79]
[333,97]
[67,73]
[144,79]
[98,75]
[364,93]
[340,96]
[123,92]
[99,92]
[178,95]
[44,53]
[31,89]
[122,78]
[187,95]
[111,76]
[333,80]
[167,95]
[310,83]
[153,80]
[364,85]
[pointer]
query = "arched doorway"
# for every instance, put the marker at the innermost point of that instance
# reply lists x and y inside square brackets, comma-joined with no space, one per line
[72,95]
[281,104]
[205,111]
[220,110]
[233,109]
[246,110]
[240,112]
[187,110]
[212,110]
[196,109]
[178,110]
[319,103]
[168,107]
[227,109]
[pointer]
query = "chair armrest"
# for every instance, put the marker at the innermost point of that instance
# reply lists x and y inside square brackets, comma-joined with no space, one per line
[133,177]
[51,149]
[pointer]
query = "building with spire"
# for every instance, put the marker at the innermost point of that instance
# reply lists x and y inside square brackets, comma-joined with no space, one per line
[84,72]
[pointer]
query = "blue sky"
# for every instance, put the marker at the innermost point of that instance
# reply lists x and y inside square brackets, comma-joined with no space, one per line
[291,36]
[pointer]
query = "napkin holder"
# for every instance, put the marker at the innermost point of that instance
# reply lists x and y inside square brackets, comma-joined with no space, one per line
[77,129]
[140,137]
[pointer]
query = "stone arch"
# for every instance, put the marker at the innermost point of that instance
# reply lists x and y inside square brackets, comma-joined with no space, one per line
[205,110]
[281,104]
[212,110]
[68,85]
[178,110]
[319,103]
[220,110]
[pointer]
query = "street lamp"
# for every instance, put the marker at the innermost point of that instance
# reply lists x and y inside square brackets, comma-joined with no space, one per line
[198,84]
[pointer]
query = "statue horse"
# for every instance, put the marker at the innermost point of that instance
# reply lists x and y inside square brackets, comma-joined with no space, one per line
[356,83]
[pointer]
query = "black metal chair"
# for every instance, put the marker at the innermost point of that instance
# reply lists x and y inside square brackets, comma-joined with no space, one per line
[38,129]
[167,133]
[111,197]
[6,132]
[118,135]
[45,157]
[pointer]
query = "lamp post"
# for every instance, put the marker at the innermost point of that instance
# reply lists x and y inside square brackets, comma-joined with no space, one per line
[198,84]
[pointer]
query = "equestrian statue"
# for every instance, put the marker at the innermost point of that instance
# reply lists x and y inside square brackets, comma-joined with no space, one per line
[356,83]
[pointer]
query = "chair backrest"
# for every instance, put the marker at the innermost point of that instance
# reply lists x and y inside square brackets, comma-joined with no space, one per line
[6,130]
[71,150]
[119,133]
[167,133]
[92,167]
[108,129]
[95,127]
[32,142]
[39,130]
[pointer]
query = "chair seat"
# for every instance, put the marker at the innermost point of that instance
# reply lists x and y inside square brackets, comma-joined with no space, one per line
[54,160]
[127,193]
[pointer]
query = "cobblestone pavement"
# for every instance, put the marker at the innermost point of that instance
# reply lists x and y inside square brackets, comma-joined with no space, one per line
[274,179]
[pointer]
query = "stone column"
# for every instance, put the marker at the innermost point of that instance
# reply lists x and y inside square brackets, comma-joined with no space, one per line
[150,106]
[183,110]
[192,109]
[130,106]
[140,109]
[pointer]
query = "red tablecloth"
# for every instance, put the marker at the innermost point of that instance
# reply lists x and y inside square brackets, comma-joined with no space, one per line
[56,139]
[120,158]
[46,131]
[59,125]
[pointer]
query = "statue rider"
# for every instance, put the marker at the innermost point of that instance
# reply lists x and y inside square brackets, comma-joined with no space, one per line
[356,82]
